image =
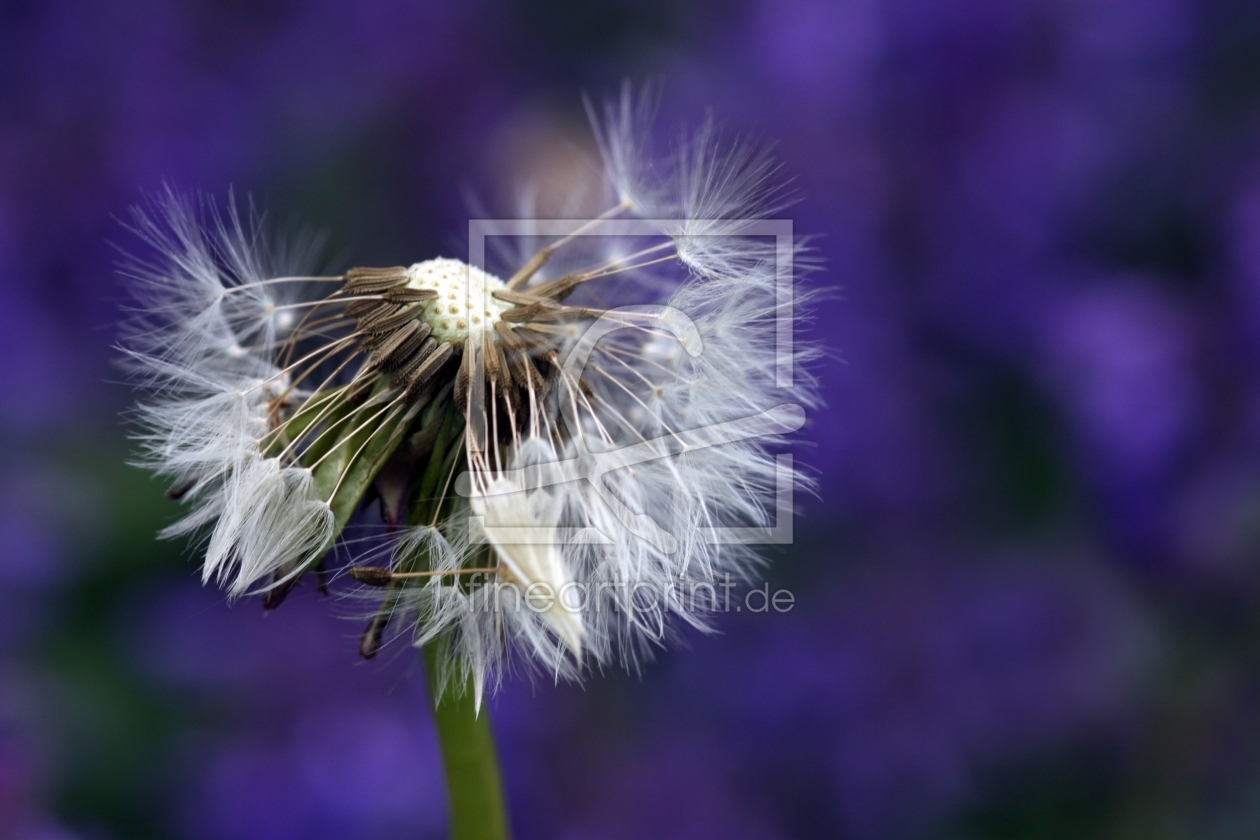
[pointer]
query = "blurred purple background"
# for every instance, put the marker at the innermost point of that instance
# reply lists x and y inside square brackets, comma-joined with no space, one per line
[1028,593]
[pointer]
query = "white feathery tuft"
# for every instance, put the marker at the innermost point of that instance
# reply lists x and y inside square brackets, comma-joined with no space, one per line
[201,302]
[521,526]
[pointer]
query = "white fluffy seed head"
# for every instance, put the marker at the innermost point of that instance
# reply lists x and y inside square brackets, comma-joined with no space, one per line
[209,346]
[464,300]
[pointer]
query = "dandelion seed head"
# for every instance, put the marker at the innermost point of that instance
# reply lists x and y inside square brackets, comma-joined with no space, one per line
[580,403]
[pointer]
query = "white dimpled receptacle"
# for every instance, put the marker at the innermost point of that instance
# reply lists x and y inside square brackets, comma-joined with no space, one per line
[464,299]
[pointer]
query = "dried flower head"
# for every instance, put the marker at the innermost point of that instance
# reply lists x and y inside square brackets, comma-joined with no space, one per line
[549,452]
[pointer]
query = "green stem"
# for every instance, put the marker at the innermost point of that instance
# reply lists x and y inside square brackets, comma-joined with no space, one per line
[475,791]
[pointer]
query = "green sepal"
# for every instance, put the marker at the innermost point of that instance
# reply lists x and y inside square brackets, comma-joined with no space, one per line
[336,421]
[322,408]
[325,410]
[360,453]
[446,448]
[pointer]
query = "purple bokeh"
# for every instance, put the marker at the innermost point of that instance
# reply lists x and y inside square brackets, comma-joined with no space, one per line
[1055,200]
